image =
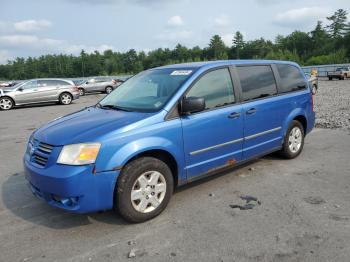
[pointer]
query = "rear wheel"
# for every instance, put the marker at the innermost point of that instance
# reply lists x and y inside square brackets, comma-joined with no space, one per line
[144,189]
[108,89]
[65,98]
[6,103]
[293,141]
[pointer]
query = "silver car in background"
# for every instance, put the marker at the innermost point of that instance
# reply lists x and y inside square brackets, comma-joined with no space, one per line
[97,84]
[38,91]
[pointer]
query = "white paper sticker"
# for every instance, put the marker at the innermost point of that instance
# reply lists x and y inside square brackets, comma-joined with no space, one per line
[181,72]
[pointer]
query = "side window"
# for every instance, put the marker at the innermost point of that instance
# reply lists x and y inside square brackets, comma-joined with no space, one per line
[43,83]
[215,87]
[30,85]
[61,83]
[291,78]
[257,81]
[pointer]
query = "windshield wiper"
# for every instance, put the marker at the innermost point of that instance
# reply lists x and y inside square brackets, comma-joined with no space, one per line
[114,107]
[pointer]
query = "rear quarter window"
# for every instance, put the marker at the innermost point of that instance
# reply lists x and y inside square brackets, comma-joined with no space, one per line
[291,78]
[256,81]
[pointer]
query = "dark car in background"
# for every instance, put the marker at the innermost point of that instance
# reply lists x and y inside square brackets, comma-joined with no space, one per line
[38,91]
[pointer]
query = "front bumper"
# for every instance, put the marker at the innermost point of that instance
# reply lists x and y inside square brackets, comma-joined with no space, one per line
[72,188]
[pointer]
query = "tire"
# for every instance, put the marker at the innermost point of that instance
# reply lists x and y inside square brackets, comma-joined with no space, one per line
[288,147]
[330,78]
[6,103]
[81,92]
[65,98]
[144,169]
[108,90]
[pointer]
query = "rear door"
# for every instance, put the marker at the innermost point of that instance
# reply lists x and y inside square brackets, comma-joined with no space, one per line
[261,110]
[47,90]
[213,138]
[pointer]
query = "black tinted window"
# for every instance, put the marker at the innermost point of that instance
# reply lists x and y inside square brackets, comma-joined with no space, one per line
[256,81]
[215,87]
[291,78]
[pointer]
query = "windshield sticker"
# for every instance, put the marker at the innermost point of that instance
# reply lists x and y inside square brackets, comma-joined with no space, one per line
[158,104]
[181,72]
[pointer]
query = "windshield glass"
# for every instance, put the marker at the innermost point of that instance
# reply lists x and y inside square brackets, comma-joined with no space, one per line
[148,91]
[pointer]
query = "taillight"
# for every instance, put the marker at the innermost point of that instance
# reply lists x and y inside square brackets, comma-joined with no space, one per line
[114,82]
[76,89]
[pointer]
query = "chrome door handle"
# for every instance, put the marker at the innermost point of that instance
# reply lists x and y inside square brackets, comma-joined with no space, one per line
[234,115]
[251,111]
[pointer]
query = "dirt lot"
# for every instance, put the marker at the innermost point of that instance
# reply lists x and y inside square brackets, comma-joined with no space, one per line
[304,213]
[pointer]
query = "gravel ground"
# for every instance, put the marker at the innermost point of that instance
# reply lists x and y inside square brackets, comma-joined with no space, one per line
[332,104]
[303,213]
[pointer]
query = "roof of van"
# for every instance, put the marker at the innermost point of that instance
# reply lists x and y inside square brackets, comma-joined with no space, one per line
[226,62]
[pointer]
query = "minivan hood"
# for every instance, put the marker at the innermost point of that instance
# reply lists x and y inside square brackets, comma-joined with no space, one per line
[86,125]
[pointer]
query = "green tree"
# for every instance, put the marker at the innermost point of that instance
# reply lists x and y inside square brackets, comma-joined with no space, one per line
[338,26]
[238,43]
[217,48]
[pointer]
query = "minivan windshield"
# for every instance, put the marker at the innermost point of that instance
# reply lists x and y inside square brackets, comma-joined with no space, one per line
[148,91]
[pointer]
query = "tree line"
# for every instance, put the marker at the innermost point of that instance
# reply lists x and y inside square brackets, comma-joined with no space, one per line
[325,44]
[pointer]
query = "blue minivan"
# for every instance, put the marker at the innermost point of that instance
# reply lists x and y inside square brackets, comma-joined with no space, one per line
[166,127]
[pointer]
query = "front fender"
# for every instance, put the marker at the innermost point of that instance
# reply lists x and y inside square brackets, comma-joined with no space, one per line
[136,147]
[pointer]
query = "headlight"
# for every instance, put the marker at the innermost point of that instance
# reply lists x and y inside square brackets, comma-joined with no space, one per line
[79,154]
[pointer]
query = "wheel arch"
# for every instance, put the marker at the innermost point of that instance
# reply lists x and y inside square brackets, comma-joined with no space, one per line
[162,155]
[65,91]
[299,115]
[13,100]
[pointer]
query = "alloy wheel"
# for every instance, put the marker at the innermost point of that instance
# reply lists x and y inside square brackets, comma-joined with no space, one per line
[66,99]
[109,90]
[6,103]
[295,140]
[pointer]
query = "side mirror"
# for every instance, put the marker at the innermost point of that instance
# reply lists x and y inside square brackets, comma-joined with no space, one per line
[20,89]
[191,105]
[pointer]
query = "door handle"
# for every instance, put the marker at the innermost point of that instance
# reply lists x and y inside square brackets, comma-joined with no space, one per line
[234,115]
[251,111]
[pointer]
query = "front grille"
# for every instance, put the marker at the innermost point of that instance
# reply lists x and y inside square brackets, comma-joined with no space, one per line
[45,148]
[41,153]
[41,161]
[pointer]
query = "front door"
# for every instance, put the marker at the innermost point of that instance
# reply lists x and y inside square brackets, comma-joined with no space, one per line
[213,138]
[27,93]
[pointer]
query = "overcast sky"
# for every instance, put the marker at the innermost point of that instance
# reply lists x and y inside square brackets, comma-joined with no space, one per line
[36,27]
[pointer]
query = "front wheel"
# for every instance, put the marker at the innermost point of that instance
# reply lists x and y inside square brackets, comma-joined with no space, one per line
[65,99]
[81,92]
[6,103]
[293,141]
[144,189]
